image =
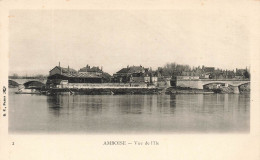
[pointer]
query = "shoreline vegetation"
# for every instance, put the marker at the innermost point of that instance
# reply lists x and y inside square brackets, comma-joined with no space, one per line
[142,91]
[132,91]
[158,91]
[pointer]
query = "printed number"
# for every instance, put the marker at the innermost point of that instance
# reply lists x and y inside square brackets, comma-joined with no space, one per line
[12,143]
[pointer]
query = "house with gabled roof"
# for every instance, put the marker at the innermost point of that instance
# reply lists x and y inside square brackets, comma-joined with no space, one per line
[59,74]
[134,74]
[94,70]
[61,70]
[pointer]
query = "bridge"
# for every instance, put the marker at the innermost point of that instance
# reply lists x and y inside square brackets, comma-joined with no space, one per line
[200,83]
[26,82]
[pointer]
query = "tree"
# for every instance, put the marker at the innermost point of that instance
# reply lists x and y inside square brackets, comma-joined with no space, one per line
[15,75]
[246,74]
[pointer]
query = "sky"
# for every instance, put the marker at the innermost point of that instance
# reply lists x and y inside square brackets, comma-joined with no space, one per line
[39,40]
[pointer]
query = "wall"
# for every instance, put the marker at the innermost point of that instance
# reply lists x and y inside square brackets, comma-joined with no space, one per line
[191,84]
[187,77]
[95,73]
[163,84]
[103,85]
[154,80]
[138,79]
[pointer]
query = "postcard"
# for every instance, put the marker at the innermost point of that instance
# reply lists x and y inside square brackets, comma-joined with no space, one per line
[130,80]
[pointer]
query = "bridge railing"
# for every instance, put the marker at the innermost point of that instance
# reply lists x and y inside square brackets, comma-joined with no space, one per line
[213,79]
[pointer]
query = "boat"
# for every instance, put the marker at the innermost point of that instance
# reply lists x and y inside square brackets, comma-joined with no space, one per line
[27,91]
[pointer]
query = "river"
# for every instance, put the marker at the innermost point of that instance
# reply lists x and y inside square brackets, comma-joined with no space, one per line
[128,114]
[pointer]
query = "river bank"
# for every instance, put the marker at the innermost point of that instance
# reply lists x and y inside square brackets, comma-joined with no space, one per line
[131,91]
[182,90]
[221,90]
[104,91]
[127,91]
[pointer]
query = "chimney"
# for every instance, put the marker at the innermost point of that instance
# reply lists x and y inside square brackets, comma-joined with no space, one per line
[68,68]
[60,68]
[101,68]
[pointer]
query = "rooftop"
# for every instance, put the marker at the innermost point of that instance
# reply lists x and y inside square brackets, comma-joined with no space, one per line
[88,69]
[65,70]
[132,69]
[81,75]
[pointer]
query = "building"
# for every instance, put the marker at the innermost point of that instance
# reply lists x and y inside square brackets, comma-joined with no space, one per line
[106,78]
[59,75]
[92,70]
[62,70]
[207,72]
[58,79]
[130,74]
[134,74]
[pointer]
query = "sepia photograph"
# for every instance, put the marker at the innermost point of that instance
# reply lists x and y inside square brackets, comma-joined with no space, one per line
[128,72]
[119,80]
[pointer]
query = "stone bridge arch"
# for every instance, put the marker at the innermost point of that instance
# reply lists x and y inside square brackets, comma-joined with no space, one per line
[243,88]
[217,82]
[244,83]
[13,83]
[212,83]
[33,84]
[235,84]
[25,82]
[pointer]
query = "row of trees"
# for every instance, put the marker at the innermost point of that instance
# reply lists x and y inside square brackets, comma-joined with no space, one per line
[38,76]
[171,69]
[174,69]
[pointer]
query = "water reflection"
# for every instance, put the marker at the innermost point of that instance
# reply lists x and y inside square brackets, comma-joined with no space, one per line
[130,113]
[148,104]
[131,104]
[173,103]
[65,104]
